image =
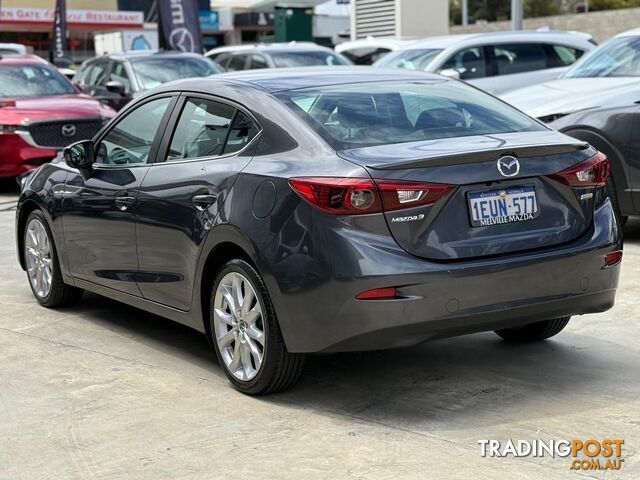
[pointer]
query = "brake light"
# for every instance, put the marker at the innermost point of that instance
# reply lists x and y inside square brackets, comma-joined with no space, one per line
[340,196]
[592,172]
[384,293]
[353,196]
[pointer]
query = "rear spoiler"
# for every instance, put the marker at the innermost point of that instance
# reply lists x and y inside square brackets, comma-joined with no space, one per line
[479,156]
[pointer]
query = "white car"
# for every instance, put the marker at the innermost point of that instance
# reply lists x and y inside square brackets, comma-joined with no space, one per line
[609,76]
[17,48]
[369,50]
[495,62]
[274,55]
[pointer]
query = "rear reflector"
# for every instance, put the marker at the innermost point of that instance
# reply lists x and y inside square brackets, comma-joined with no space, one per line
[592,172]
[377,294]
[613,258]
[353,196]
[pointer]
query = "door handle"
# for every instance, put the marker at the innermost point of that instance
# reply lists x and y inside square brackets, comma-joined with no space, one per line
[124,202]
[202,202]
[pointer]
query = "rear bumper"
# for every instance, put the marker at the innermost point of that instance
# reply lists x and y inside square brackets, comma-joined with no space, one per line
[18,156]
[454,298]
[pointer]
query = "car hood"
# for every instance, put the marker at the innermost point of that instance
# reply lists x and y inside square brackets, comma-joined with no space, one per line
[568,95]
[20,111]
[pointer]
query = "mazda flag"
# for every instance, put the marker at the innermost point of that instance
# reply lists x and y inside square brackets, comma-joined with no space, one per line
[58,53]
[179,27]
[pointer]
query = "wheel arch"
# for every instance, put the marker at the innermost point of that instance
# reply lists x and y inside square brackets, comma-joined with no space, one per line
[601,142]
[25,210]
[224,243]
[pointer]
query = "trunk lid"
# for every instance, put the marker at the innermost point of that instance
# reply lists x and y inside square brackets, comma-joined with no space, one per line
[445,230]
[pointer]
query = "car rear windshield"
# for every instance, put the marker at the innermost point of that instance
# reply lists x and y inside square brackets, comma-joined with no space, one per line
[32,81]
[152,72]
[618,58]
[307,59]
[414,59]
[369,114]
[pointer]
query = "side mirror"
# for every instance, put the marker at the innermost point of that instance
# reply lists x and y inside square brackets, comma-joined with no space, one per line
[115,86]
[451,73]
[79,155]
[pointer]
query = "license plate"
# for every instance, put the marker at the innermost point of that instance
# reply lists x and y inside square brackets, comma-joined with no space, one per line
[495,207]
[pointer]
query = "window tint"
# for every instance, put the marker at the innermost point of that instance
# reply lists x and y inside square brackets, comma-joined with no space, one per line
[242,132]
[470,62]
[519,58]
[201,131]
[236,63]
[566,55]
[97,74]
[119,74]
[129,142]
[258,61]
[358,115]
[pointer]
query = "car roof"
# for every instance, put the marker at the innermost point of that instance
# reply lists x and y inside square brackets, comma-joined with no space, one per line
[21,59]
[270,47]
[387,42]
[446,41]
[133,55]
[281,79]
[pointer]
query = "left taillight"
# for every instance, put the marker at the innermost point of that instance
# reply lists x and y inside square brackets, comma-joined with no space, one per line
[592,172]
[354,196]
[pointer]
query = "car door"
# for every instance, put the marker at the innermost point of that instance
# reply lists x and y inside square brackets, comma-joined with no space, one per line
[99,206]
[210,143]
[237,62]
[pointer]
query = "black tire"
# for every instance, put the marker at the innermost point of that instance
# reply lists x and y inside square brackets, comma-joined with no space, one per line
[613,195]
[279,369]
[534,332]
[60,294]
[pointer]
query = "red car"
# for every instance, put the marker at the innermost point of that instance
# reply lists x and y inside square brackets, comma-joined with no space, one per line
[41,112]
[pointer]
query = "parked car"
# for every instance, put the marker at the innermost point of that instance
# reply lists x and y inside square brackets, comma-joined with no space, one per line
[275,55]
[12,48]
[41,112]
[366,51]
[495,62]
[609,76]
[117,78]
[325,210]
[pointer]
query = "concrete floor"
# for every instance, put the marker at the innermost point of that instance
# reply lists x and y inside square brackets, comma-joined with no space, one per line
[105,391]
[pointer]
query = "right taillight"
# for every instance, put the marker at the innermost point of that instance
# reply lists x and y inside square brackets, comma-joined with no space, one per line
[354,196]
[592,172]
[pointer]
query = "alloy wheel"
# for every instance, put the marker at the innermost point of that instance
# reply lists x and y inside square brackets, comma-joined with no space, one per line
[239,327]
[39,263]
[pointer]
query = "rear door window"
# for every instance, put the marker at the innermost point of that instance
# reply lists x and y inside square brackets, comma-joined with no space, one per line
[470,63]
[518,58]
[237,62]
[258,61]
[566,55]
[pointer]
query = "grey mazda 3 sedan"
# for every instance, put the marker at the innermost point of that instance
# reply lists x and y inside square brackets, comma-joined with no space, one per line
[325,210]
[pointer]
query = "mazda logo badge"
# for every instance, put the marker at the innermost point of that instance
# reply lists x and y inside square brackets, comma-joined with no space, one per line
[68,130]
[508,166]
